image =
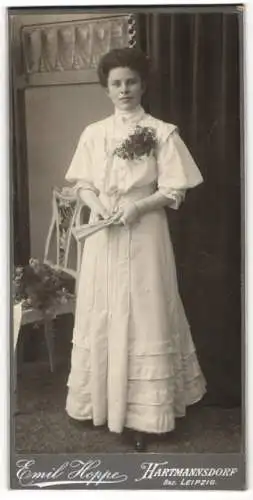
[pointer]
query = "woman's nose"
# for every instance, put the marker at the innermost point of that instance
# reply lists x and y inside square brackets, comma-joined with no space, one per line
[124,88]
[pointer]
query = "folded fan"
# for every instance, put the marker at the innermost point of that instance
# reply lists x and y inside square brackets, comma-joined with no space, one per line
[85,230]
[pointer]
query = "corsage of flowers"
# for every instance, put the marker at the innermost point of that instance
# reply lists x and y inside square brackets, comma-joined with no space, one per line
[142,142]
[40,286]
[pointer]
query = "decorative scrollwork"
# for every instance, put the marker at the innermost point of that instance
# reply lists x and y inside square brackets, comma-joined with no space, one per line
[74,45]
[132,31]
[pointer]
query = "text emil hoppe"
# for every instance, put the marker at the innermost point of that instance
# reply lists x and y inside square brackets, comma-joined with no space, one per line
[88,472]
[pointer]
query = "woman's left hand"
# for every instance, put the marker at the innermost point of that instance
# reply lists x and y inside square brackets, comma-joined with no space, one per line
[127,215]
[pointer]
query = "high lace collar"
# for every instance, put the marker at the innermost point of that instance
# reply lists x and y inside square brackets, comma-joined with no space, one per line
[129,117]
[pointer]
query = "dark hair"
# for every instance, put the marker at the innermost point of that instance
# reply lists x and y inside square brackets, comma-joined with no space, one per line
[132,58]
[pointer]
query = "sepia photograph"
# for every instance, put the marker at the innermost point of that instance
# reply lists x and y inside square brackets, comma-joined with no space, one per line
[127,216]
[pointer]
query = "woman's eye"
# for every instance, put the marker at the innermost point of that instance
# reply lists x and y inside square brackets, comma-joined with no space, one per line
[117,83]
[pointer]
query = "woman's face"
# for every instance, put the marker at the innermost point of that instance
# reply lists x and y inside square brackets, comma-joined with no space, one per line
[124,88]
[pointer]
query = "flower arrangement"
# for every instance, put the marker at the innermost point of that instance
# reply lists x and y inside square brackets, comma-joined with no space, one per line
[142,142]
[40,286]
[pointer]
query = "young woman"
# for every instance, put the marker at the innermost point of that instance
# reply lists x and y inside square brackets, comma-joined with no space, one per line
[133,363]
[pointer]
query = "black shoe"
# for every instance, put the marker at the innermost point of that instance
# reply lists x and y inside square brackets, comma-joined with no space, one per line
[139,442]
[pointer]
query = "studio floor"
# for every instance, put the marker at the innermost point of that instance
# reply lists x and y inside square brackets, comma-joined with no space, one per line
[42,426]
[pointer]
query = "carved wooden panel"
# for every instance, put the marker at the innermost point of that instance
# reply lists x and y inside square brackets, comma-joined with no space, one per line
[73,46]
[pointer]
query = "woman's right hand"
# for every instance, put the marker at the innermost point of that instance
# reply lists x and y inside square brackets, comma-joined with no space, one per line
[94,203]
[100,211]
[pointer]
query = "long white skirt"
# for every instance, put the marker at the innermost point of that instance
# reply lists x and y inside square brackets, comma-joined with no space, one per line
[133,360]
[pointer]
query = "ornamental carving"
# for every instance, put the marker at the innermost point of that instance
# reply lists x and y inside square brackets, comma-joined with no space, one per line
[74,45]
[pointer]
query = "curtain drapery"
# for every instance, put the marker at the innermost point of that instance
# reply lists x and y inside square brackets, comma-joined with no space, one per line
[196,85]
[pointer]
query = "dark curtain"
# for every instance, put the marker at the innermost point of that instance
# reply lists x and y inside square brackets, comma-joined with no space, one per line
[196,86]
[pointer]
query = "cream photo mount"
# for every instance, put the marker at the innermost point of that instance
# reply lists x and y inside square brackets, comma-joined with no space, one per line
[59,57]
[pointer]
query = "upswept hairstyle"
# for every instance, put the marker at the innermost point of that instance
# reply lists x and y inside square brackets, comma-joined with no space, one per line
[127,57]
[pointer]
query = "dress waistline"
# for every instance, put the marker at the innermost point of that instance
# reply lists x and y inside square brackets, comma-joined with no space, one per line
[117,199]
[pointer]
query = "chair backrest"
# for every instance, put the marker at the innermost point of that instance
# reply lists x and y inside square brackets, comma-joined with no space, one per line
[64,250]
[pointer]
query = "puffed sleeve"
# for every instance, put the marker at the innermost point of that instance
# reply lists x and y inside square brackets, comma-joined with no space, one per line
[80,169]
[177,170]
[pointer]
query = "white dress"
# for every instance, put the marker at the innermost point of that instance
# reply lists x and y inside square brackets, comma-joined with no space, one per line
[133,360]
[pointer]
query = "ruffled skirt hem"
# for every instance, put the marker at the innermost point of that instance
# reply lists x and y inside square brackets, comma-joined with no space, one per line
[150,419]
[152,404]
